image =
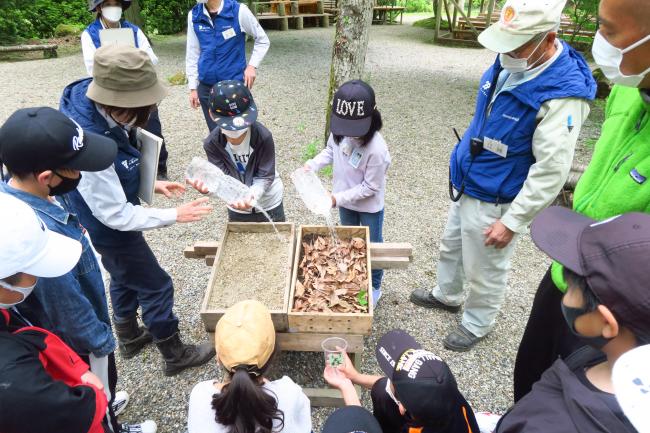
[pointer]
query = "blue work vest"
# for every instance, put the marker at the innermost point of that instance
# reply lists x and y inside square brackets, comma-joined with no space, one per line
[222,42]
[512,121]
[94,28]
[78,107]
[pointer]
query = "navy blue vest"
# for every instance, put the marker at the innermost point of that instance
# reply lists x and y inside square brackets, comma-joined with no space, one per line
[94,28]
[222,42]
[77,106]
[512,121]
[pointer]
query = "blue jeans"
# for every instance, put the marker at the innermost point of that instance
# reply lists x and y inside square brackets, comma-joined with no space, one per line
[203,91]
[375,222]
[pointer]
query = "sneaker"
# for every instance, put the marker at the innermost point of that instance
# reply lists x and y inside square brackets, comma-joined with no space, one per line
[461,340]
[146,427]
[119,402]
[376,296]
[424,298]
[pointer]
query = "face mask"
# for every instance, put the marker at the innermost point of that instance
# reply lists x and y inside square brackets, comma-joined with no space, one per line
[67,185]
[112,13]
[26,291]
[515,66]
[609,59]
[234,134]
[201,1]
[571,314]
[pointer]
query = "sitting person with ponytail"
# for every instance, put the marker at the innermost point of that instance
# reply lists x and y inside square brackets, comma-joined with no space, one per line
[247,402]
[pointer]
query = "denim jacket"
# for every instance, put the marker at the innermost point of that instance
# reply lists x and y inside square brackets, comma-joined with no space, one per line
[74,305]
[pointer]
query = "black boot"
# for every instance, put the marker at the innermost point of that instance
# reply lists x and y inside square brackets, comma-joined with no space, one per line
[131,338]
[179,356]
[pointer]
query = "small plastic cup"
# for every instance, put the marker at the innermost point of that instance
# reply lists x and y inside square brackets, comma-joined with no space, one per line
[334,349]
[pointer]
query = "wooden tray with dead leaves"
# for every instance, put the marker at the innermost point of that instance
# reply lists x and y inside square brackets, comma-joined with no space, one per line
[331,296]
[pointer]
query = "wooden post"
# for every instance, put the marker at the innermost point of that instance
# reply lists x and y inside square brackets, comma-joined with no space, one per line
[436,34]
[134,15]
[488,19]
[280,7]
[299,23]
[350,47]
[284,24]
[295,10]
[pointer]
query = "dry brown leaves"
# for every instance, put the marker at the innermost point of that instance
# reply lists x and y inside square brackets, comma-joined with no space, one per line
[332,281]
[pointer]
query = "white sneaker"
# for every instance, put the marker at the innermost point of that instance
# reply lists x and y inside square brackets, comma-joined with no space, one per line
[120,402]
[146,427]
[376,296]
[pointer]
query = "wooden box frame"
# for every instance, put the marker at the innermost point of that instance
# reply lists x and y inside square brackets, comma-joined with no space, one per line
[330,323]
[210,317]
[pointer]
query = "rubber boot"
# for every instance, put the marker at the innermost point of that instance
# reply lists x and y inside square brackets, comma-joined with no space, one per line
[179,356]
[131,338]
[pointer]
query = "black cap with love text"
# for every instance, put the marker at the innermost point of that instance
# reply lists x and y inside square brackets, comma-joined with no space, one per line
[424,384]
[42,138]
[352,109]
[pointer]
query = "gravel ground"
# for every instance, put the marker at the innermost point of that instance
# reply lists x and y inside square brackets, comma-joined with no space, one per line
[423,91]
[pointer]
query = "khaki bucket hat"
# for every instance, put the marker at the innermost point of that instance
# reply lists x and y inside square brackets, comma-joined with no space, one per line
[124,77]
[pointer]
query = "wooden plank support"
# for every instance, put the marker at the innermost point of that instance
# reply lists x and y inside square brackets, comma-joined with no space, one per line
[206,247]
[324,397]
[305,342]
[391,249]
[390,262]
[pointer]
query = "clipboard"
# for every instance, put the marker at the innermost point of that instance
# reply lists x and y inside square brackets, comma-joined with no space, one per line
[117,37]
[149,146]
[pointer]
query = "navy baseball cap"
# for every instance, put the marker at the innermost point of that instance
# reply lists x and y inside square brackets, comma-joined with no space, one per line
[232,105]
[351,419]
[42,138]
[612,255]
[423,382]
[352,109]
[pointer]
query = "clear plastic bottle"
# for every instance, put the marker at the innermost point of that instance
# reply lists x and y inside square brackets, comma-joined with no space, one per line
[312,191]
[217,182]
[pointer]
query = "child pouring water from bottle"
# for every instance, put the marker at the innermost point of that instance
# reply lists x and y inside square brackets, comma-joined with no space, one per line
[360,159]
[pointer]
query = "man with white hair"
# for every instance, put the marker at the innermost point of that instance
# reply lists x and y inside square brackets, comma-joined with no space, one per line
[511,162]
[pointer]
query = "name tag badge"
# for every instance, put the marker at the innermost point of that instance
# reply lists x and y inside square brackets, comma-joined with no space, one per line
[227,34]
[355,159]
[495,146]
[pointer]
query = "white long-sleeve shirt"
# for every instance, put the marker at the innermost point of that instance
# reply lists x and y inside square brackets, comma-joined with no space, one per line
[248,24]
[88,49]
[105,197]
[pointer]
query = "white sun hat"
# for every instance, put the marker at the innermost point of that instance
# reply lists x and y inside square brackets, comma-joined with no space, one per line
[28,246]
[521,21]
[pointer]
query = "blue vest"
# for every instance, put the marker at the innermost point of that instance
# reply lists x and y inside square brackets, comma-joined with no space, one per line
[77,106]
[512,121]
[94,28]
[222,42]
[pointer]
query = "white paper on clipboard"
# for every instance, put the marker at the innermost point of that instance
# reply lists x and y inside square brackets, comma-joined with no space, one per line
[117,36]
[149,146]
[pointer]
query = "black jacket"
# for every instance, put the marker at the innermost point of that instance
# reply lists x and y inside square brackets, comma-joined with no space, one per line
[561,403]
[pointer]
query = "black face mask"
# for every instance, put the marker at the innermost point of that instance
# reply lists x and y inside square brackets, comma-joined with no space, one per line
[67,185]
[571,314]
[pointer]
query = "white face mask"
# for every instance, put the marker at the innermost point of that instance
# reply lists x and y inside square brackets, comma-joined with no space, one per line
[234,134]
[26,291]
[201,1]
[609,59]
[112,13]
[515,65]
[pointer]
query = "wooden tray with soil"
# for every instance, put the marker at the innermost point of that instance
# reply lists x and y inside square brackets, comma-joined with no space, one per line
[330,288]
[251,263]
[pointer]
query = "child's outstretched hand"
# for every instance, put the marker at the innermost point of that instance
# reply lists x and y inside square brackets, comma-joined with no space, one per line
[335,378]
[197,185]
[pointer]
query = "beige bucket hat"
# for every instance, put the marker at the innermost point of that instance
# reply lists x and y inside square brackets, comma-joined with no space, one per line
[124,77]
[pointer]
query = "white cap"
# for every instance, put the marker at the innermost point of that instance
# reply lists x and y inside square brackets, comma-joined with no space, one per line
[28,246]
[521,21]
[631,378]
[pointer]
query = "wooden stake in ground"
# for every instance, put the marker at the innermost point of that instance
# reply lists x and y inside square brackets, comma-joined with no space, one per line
[350,46]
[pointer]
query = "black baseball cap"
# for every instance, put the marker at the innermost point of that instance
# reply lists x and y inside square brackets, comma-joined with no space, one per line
[351,419]
[423,383]
[42,138]
[612,255]
[352,109]
[232,105]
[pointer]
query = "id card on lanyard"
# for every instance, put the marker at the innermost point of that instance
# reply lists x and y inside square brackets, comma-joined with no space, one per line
[355,158]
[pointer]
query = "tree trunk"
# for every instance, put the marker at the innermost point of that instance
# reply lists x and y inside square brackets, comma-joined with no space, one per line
[350,46]
[134,15]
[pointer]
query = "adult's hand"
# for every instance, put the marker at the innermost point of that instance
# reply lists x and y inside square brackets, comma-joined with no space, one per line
[169,189]
[198,185]
[333,199]
[498,235]
[194,99]
[89,378]
[250,73]
[193,211]
[243,205]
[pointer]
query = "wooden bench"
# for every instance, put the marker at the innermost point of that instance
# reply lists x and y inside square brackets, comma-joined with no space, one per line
[284,10]
[49,50]
[387,14]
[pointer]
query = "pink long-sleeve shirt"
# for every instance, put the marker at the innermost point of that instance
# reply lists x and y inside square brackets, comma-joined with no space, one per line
[360,177]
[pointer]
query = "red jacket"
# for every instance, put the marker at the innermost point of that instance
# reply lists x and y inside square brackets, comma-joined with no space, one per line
[40,384]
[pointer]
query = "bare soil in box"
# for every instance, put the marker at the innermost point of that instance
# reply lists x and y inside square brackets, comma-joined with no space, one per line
[253,266]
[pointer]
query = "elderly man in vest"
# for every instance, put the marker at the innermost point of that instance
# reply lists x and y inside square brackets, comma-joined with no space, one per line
[511,163]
